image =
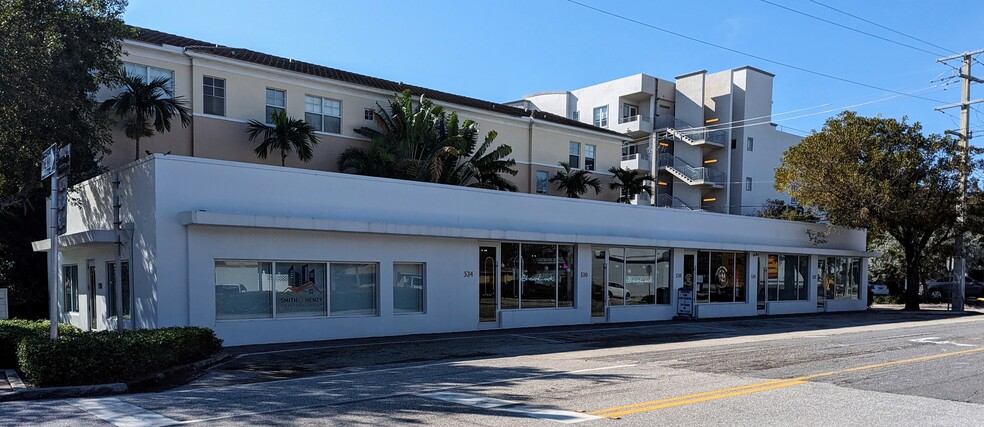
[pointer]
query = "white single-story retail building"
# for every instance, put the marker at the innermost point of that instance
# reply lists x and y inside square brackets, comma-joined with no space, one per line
[267,254]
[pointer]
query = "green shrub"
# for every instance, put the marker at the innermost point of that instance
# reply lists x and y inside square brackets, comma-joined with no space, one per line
[110,356]
[13,331]
[890,299]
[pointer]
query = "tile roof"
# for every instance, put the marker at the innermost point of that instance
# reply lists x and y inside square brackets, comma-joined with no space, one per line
[149,36]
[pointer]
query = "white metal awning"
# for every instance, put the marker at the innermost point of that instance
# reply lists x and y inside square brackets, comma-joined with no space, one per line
[75,240]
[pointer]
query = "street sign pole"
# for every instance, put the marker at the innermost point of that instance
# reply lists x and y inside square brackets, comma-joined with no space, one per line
[54,260]
[56,164]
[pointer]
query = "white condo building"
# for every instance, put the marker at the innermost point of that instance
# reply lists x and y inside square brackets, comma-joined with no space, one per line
[708,139]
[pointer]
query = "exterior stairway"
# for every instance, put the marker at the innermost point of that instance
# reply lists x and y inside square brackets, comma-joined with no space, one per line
[689,174]
[683,131]
[668,201]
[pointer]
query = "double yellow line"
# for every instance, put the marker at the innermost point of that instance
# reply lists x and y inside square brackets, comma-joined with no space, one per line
[652,405]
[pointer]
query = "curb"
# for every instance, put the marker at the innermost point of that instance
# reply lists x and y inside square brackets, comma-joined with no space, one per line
[22,392]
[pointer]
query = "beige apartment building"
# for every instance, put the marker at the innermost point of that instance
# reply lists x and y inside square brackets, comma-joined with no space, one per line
[226,87]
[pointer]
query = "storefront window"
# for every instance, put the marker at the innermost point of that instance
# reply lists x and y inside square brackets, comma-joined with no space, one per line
[840,277]
[539,276]
[243,289]
[300,289]
[111,295]
[408,288]
[720,277]
[510,276]
[566,275]
[640,276]
[353,289]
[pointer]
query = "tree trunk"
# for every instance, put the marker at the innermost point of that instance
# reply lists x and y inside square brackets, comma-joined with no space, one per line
[283,158]
[136,156]
[912,260]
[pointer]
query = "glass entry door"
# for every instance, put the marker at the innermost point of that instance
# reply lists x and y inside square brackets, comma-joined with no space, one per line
[824,284]
[488,283]
[689,269]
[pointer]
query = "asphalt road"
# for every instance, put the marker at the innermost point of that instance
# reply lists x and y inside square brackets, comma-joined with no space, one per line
[876,368]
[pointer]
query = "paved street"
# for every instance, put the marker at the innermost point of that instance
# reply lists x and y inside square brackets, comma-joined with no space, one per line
[875,368]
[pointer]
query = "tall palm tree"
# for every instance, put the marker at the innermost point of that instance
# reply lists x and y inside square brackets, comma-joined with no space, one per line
[630,183]
[145,107]
[575,183]
[285,134]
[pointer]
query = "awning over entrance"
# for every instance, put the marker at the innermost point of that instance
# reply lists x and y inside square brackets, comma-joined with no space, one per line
[75,240]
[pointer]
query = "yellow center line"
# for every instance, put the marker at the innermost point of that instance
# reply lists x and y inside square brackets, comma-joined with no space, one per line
[652,405]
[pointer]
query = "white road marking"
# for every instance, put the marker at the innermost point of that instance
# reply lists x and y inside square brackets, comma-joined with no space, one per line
[121,414]
[929,340]
[537,338]
[566,417]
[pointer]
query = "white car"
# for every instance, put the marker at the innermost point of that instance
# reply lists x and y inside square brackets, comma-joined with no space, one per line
[878,288]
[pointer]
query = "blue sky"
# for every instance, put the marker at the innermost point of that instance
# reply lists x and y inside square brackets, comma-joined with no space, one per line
[503,49]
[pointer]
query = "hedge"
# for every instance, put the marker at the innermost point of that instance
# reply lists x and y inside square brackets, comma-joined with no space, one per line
[110,356]
[13,331]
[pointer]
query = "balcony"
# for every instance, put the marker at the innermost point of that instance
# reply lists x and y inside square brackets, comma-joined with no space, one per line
[637,161]
[634,125]
[698,176]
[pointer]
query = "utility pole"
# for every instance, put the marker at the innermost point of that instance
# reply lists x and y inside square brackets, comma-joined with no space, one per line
[960,264]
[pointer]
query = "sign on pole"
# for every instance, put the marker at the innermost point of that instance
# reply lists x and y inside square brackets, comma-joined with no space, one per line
[48,161]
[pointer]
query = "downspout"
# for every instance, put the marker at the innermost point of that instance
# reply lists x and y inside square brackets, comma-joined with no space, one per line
[531,179]
[191,99]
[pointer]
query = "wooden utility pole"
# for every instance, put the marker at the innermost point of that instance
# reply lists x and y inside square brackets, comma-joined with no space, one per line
[960,262]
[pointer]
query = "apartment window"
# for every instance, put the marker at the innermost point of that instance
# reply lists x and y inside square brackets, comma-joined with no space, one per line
[629,110]
[70,287]
[408,287]
[276,102]
[542,182]
[748,183]
[149,74]
[589,156]
[601,116]
[749,146]
[213,90]
[577,115]
[324,114]
[574,159]
[369,114]
[111,295]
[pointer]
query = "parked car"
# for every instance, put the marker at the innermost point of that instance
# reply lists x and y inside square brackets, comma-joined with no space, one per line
[230,288]
[937,291]
[878,288]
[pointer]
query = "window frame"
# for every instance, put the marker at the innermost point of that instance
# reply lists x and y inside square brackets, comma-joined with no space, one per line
[589,161]
[369,114]
[627,108]
[205,96]
[70,293]
[749,143]
[574,159]
[146,73]
[600,116]
[268,106]
[545,182]
[748,183]
[423,287]
[320,127]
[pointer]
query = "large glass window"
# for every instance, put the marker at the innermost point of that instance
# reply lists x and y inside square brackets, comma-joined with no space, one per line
[300,289]
[537,276]
[213,95]
[353,289]
[638,276]
[542,182]
[408,288]
[324,114]
[276,101]
[601,116]
[125,274]
[243,289]
[842,277]
[720,277]
[70,288]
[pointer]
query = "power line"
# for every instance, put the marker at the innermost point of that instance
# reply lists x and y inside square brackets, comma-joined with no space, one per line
[783,64]
[882,26]
[850,28]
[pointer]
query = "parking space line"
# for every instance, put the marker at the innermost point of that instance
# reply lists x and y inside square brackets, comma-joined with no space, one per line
[122,414]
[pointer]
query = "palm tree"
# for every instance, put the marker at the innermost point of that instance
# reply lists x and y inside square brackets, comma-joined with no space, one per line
[575,183]
[630,183]
[373,161]
[286,134]
[140,102]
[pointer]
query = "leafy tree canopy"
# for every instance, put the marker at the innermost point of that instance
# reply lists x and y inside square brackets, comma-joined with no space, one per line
[880,174]
[778,209]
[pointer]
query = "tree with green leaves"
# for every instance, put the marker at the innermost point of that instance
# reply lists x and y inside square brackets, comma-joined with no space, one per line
[880,174]
[145,108]
[417,140]
[778,209]
[629,183]
[575,183]
[285,134]
[55,55]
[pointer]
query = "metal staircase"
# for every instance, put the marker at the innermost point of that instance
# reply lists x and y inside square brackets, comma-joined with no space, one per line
[690,174]
[668,201]
[695,136]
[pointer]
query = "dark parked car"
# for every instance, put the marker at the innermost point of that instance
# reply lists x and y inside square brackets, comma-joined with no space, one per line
[940,291]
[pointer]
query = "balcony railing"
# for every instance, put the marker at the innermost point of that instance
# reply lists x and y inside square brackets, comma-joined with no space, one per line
[630,119]
[694,175]
[644,155]
[668,201]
